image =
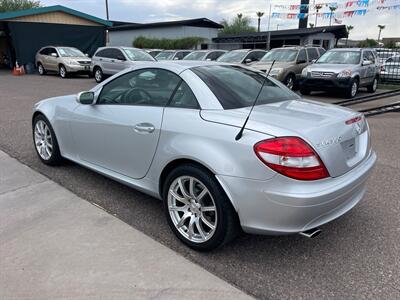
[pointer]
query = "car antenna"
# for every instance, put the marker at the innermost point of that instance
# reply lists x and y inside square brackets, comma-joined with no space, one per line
[240,133]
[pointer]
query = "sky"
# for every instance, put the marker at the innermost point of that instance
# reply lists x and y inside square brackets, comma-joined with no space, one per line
[147,11]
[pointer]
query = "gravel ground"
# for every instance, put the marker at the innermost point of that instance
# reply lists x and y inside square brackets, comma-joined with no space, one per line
[356,256]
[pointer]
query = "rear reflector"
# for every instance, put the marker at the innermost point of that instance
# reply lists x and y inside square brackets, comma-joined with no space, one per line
[292,157]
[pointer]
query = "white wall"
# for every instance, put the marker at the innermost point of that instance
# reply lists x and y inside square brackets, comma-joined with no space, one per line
[308,40]
[126,37]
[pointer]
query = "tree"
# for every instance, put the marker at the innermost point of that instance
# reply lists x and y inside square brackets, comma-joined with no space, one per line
[348,28]
[367,43]
[317,8]
[12,5]
[381,27]
[259,16]
[332,9]
[239,24]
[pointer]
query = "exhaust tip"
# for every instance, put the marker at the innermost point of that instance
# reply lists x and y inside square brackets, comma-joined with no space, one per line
[311,233]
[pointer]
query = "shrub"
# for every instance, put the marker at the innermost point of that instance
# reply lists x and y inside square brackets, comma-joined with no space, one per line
[153,43]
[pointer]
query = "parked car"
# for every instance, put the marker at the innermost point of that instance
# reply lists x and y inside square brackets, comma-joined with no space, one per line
[242,56]
[172,54]
[390,72]
[289,62]
[385,53]
[111,60]
[344,69]
[153,52]
[205,55]
[395,59]
[174,134]
[64,60]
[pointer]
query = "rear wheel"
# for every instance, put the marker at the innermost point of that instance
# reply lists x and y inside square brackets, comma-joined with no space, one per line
[45,141]
[372,87]
[290,81]
[63,72]
[351,91]
[197,209]
[41,69]
[98,74]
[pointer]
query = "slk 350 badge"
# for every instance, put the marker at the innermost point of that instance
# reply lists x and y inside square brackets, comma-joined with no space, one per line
[331,141]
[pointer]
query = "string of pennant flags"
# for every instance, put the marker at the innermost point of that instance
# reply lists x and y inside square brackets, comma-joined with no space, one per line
[363,7]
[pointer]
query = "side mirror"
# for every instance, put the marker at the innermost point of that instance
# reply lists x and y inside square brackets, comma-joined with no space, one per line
[86,98]
[54,54]
[87,55]
[313,61]
[367,63]
[247,61]
[302,61]
[208,59]
[176,58]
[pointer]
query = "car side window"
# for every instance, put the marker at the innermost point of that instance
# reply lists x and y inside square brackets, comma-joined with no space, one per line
[116,54]
[302,56]
[44,51]
[184,97]
[102,53]
[255,55]
[51,51]
[212,56]
[321,51]
[312,53]
[149,87]
[368,56]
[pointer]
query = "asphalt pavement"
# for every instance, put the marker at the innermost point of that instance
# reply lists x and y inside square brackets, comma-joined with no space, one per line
[356,256]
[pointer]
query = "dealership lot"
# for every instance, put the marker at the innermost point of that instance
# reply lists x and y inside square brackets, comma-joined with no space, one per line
[355,257]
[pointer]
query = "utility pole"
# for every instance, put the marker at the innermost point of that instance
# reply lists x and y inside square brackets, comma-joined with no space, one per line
[108,18]
[269,23]
[107,15]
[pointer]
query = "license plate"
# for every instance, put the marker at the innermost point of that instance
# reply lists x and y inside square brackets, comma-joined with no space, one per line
[86,67]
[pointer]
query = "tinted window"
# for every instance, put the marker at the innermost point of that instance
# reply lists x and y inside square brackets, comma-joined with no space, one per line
[52,50]
[184,97]
[152,87]
[312,53]
[237,87]
[302,55]
[104,53]
[255,55]
[116,54]
[44,51]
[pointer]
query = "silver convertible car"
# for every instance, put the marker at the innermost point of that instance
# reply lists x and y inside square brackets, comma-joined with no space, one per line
[172,130]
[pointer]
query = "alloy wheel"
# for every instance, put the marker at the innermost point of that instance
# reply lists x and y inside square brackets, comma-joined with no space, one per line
[354,88]
[98,75]
[43,140]
[40,69]
[192,209]
[63,72]
[374,85]
[290,82]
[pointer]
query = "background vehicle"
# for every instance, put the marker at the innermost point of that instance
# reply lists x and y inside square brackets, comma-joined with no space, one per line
[64,60]
[384,53]
[289,62]
[242,56]
[209,55]
[345,69]
[390,72]
[169,129]
[153,52]
[110,60]
[172,54]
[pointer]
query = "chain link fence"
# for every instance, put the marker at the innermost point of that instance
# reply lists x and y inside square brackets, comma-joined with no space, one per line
[389,60]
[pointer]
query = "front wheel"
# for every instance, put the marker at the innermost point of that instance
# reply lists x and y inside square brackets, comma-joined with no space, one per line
[41,69]
[290,81]
[372,87]
[351,91]
[45,141]
[98,75]
[63,72]
[197,208]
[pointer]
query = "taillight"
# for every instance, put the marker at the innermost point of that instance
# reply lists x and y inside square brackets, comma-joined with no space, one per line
[292,157]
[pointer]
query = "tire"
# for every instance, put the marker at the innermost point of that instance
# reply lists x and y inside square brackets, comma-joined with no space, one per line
[305,91]
[223,215]
[290,81]
[351,91]
[40,141]
[98,74]
[62,71]
[372,88]
[41,69]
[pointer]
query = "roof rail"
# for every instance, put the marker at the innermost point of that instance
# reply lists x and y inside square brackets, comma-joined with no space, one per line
[291,46]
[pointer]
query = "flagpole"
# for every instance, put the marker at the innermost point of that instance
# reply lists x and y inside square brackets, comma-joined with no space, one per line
[269,23]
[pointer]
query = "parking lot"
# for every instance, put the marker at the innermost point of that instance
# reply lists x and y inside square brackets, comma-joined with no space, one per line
[356,256]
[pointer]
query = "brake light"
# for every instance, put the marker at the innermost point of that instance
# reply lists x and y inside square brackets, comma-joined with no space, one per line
[292,157]
[354,120]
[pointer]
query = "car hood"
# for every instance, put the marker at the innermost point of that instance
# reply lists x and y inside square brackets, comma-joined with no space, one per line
[340,146]
[336,68]
[266,65]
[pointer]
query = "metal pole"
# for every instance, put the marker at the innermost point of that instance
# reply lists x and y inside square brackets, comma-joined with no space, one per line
[107,15]
[269,23]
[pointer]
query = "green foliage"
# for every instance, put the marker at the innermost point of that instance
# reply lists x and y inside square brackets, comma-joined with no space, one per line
[238,25]
[391,44]
[368,43]
[154,43]
[12,5]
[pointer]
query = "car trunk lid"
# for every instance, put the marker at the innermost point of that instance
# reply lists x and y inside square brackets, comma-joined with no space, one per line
[341,146]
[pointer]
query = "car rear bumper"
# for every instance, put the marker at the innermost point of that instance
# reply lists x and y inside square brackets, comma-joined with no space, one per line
[78,68]
[317,84]
[282,205]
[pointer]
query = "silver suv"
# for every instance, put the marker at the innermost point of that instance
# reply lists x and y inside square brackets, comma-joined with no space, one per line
[64,60]
[111,60]
[346,69]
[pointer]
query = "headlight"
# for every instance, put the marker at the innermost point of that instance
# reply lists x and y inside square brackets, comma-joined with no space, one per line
[275,71]
[304,72]
[71,62]
[344,74]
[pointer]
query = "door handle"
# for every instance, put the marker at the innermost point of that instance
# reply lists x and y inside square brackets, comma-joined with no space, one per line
[144,128]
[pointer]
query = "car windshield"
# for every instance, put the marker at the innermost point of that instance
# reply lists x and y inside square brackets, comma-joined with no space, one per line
[195,56]
[340,57]
[165,55]
[237,87]
[233,57]
[283,55]
[137,55]
[70,52]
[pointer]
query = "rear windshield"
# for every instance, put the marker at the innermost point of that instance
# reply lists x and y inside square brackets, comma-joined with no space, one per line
[137,55]
[165,55]
[195,56]
[284,55]
[233,57]
[340,57]
[237,87]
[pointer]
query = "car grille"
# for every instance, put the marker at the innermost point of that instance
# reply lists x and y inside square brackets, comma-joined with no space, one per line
[321,74]
[84,62]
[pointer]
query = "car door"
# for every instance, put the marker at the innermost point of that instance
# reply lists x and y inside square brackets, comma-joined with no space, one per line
[117,60]
[120,132]
[52,60]
[301,62]
[367,73]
